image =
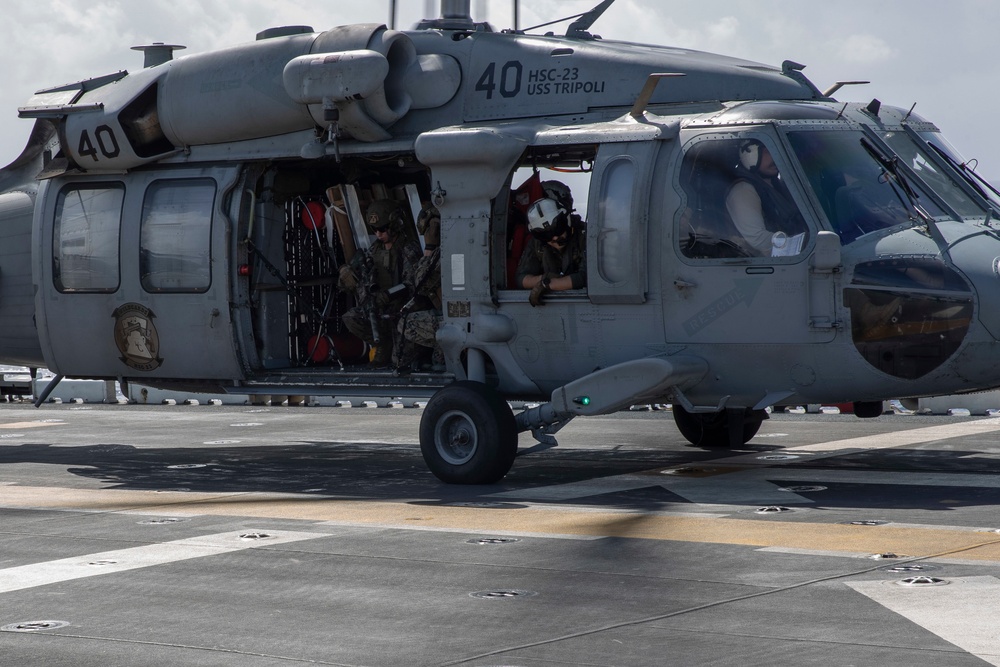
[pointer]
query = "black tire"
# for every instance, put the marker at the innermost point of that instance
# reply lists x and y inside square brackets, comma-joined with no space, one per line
[712,429]
[867,409]
[468,434]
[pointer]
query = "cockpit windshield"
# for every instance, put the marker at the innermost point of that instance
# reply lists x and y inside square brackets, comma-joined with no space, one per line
[863,190]
[916,158]
[966,168]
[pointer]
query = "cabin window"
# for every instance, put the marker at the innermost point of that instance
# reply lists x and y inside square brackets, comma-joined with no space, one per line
[564,176]
[85,238]
[738,204]
[614,240]
[175,244]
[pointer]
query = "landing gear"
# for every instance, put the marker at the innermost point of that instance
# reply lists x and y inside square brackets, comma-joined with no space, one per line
[468,434]
[867,409]
[728,428]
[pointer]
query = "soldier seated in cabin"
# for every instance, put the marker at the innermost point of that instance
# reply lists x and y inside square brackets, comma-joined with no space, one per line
[421,315]
[376,276]
[555,257]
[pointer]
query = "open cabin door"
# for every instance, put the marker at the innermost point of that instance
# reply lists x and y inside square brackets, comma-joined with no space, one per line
[299,227]
[606,319]
[134,276]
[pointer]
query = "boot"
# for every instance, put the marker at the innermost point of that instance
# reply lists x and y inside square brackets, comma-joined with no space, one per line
[382,356]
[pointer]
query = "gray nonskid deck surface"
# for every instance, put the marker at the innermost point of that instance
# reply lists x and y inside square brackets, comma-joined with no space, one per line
[221,535]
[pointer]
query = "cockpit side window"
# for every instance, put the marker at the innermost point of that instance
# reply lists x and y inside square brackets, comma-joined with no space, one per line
[86,238]
[738,204]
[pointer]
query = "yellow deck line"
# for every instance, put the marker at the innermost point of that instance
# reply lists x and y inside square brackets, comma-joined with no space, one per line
[911,541]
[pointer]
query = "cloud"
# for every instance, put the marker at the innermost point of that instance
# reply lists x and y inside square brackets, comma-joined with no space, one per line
[723,30]
[51,42]
[867,49]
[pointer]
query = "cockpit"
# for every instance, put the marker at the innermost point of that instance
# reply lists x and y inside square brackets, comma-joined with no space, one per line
[868,181]
[860,178]
[896,194]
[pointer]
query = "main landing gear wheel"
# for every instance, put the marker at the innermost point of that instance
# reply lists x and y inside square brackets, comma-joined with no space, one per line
[712,429]
[468,434]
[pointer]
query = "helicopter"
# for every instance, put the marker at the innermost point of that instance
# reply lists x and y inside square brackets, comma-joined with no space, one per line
[183,226]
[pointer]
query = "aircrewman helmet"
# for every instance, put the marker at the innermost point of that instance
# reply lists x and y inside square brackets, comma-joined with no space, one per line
[750,151]
[560,192]
[547,219]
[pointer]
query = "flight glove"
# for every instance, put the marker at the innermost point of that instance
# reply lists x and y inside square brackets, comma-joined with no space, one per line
[540,288]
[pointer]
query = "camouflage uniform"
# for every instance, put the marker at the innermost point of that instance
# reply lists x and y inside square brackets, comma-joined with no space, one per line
[419,324]
[388,268]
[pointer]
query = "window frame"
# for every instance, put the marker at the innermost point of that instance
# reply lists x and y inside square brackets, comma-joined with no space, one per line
[205,267]
[58,243]
[789,169]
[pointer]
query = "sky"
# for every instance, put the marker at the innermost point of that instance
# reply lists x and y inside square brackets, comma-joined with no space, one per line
[938,55]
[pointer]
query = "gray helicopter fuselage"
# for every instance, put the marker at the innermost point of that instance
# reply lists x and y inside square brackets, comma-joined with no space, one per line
[165,245]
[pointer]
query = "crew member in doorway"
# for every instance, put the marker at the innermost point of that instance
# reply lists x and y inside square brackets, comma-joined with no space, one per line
[376,277]
[760,205]
[555,258]
[421,315]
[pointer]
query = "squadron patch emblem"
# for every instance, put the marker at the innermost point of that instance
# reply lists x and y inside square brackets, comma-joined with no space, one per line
[136,337]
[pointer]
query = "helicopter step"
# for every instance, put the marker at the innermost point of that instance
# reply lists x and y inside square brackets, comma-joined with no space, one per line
[324,382]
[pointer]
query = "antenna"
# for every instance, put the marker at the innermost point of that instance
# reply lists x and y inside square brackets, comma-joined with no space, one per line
[840,84]
[392,14]
[647,92]
[578,28]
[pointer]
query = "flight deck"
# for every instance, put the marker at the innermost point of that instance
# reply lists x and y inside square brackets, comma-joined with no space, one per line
[268,535]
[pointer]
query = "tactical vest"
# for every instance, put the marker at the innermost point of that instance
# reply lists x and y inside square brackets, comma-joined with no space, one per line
[780,212]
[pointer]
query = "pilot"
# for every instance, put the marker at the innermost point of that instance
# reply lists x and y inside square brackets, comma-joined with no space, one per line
[760,205]
[866,203]
[376,276]
[555,257]
[421,315]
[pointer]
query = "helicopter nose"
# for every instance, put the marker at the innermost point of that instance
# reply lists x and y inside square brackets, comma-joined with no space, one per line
[977,257]
[909,315]
[980,262]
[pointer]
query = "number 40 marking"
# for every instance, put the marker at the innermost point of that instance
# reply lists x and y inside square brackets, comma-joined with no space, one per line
[510,79]
[106,140]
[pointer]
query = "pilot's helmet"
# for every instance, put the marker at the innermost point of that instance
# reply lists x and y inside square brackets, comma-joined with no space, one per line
[384,214]
[750,151]
[560,192]
[547,219]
